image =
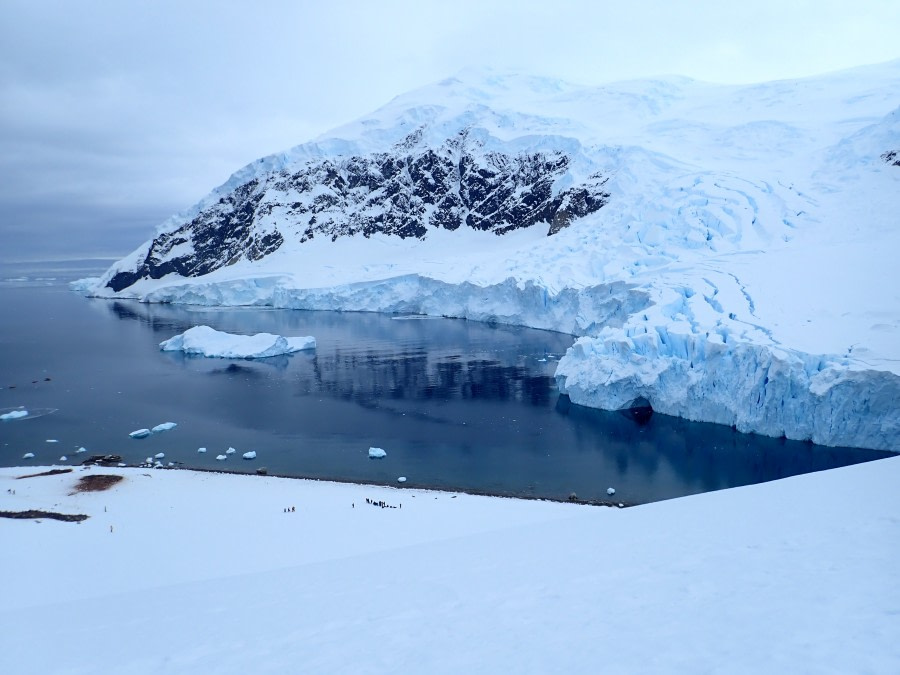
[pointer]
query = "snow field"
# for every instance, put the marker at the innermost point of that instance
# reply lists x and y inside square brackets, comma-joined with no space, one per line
[789,576]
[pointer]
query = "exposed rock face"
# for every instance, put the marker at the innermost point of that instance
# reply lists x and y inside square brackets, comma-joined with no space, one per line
[405,193]
[891,157]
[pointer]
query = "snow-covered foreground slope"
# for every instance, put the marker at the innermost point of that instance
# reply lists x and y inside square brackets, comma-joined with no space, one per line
[186,572]
[703,237]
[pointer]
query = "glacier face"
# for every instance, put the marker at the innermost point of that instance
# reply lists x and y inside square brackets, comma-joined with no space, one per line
[726,253]
[752,387]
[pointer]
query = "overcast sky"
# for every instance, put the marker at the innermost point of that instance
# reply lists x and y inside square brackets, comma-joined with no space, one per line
[114,115]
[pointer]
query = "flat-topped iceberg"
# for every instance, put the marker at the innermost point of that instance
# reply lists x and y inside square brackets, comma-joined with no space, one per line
[206,341]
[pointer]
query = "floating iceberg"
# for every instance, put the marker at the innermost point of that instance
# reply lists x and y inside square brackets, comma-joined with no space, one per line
[14,415]
[201,449]
[28,455]
[165,426]
[159,455]
[249,455]
[230,451]
[401,479]
[206,341]
[376,453]
[221,457]
[610,491]
[140,433]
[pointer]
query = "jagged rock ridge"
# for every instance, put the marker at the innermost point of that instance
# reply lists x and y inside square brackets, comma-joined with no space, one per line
[404,192]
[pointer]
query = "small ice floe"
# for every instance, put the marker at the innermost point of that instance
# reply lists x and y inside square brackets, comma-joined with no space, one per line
[149,460]
[401,479]
[206,341]
[542,360]
[165,426]
[221,458]
[376,453]
[201,449]
[28,455]
[122,464]
[140,433]
[63,459]
[621,505]
[249,455]
[610,491]
[14,415]
[159,455]
[230,451]
[52,440]
[170,464]
[80,450]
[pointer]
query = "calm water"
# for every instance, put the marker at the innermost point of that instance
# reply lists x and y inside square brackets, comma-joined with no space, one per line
[455,404]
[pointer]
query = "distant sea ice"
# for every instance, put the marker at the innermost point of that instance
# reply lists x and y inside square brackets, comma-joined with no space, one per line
[140,433]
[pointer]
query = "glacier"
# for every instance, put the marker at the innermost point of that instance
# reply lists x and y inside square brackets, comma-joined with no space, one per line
[725,252]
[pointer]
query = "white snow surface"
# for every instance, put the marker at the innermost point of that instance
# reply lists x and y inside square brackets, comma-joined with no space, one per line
[206,341]
[200,572]
[743,272]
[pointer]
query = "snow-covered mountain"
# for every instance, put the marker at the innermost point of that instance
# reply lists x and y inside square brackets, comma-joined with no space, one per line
[726,252]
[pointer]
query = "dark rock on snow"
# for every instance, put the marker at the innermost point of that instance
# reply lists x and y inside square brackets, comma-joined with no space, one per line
[405,192]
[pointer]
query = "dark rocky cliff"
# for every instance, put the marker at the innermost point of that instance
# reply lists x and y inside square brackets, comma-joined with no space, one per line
[405,192]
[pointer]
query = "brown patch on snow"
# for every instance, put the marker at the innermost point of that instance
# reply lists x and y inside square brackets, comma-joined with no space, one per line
[96,482]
